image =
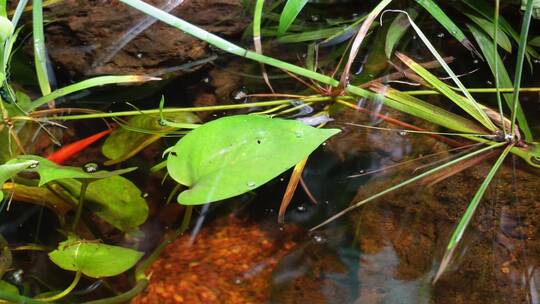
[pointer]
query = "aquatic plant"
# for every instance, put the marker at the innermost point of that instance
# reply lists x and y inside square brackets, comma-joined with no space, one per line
[216,161]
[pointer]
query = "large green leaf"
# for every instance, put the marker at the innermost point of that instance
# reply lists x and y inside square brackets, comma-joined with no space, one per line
[12,168]
[94,259]
[288,15]
[232,155]
[140,131]
[115,199]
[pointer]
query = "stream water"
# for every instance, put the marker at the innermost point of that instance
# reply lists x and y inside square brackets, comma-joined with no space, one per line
[387,251]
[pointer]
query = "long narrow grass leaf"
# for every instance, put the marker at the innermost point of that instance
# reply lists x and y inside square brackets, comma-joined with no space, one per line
[359,38]
[288,15]
[89,83]
[487,26]
[407,182]
[465,220]
[40,55]
[257,17]
[397,29]
[496,65]
[520,59]
[467,105]
[446,22]
[504,78]
[484,120]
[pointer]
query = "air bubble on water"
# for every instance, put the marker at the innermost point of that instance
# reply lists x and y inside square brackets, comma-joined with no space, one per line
[239,95]
[475,61]
[238,281]
[440,35]
[282,179]
[139,55]
[319,239]
[90,168]
[206,80]
[403,133]
[314,18]
[251,184]
[301,208]
[33,165]
[536,61]
[489,82]
[144,194]
[362,171]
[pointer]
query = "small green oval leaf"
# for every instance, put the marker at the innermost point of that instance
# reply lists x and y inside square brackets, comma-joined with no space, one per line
[94,259]
[114,199]
[233,155]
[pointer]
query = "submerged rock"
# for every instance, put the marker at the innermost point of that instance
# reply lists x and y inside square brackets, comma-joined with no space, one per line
[108,37]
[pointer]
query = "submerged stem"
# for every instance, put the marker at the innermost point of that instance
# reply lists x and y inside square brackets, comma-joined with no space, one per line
[84,186]
[66,291]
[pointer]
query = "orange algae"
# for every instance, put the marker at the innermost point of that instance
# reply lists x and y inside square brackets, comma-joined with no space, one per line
[230,261]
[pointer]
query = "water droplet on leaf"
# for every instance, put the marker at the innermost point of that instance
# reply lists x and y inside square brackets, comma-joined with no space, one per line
[251,184]
[90,168]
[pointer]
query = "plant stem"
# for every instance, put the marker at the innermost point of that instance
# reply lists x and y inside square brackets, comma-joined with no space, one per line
[473,90]
[15,298]
[177,110]
[66,291]
[84,186]
[124,297]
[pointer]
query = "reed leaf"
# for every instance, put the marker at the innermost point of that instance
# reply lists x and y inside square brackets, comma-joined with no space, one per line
[467,105]
[504,79]
[487,26]
[40,55]
[89,83]
[407,182]
[397,29]
[467,216]
[446,22]
[288,15]
[520,59]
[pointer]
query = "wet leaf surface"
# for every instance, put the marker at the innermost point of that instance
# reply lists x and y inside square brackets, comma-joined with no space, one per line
[94,259]
[115,199]
[232,155]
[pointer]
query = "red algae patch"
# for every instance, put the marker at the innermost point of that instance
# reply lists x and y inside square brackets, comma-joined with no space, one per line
[230,261]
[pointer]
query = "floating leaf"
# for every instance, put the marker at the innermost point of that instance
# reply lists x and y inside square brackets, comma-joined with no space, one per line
[288,15]
[232,155]
[49,171]
[140,131]
[12,168]
[93,259]
[115,199]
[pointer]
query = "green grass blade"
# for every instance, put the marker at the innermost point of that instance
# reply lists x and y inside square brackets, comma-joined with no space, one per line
[397,29]
[472,102]
[487,26]
[465,220]
[310,35]
[40,55]
[486,10]
[224,44]
[407,182]
[496,64]
[520,59]
[18,12]
[446,22]
[3,8]
[535,41]
[288,15]
[419,108]
[504,78]
[467,105]
[89,83]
